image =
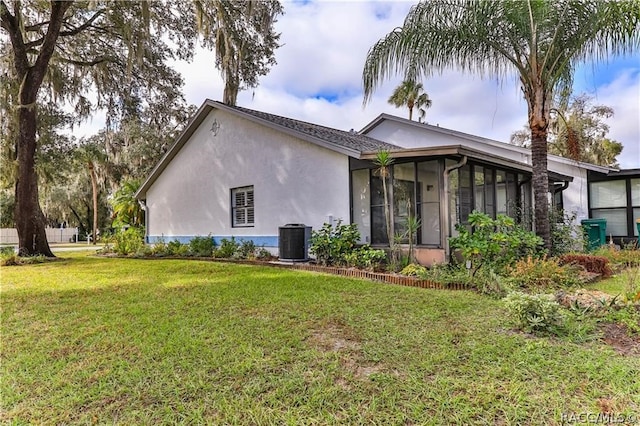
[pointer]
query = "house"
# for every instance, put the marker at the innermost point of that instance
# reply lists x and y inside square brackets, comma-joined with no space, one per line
[244,173]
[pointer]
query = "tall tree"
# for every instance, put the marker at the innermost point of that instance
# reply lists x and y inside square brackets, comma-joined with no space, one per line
[577,130]
[411,94]
[71,49]
[242,34]
[541,41]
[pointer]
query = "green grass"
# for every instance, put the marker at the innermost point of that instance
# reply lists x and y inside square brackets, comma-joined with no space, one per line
[620,283]
[125,341]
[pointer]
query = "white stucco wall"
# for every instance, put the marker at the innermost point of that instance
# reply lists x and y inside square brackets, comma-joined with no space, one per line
[575,196]
[294,182]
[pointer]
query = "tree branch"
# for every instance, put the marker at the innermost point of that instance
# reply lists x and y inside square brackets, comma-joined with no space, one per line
[37,26]
[11,23]
[82,27]
[58,9]
[90,63]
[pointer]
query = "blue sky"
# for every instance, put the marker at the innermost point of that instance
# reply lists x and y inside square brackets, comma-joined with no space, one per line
[318,79]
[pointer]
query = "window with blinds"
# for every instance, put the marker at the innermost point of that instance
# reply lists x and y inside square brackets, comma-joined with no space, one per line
[242,208]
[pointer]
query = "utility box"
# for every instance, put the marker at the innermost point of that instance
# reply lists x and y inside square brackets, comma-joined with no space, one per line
[595,231]
[293,242]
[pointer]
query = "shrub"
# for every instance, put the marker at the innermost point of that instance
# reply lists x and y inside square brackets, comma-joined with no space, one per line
[246,250]
[566,233]
[495,243]
[593,264]
[128,242]
[627,257]
[176,248]
[537,274]
[365,257]
[330,245]
[487,281]
[413,270]
[159,248]
[263,254]
[227,248]
[202,246]
[447,273]
[535,313]
[7,251]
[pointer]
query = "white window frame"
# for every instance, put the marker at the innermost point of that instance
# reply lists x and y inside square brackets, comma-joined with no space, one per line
[242,207]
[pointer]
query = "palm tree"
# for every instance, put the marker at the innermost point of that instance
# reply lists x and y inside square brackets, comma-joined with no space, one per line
[540,41]
[412,95]
[126,210]
[91,154]
[384,161]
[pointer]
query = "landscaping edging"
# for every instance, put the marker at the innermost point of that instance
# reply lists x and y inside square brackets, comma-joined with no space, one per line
[375,276]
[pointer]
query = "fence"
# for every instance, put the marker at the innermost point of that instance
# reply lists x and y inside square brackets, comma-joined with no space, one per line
[54,235]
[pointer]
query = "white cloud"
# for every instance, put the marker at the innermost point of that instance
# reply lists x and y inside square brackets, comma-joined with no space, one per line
[623,95]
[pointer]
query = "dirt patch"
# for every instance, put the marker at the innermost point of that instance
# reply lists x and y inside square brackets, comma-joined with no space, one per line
[335,337]
[617,336]
[338,338]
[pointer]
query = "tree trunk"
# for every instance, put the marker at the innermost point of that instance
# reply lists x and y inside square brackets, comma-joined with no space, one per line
[94,190]
[539,123]
[83,229]
[230,94]
[32,238]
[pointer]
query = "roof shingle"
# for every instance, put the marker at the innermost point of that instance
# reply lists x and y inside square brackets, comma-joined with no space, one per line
[349,140]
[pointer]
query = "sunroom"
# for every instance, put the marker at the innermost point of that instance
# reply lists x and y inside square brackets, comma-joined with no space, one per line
[440,186]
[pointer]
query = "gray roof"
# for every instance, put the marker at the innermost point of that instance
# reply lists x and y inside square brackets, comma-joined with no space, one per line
[347,139]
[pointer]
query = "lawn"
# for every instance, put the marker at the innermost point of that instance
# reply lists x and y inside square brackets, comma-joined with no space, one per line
[124,341]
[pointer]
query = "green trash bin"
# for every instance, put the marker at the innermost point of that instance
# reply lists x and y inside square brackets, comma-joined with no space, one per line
[638,226]
[595,233]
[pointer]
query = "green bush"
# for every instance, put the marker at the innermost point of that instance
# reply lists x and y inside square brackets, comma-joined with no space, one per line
[159,248]
[566,233]
[202,246]
[485,280]
[246,250]
[542,274]
[227,248]
[448,273]
[535,313]
[128,242]
[495,243]
[365,257]
[330,245]
[263,254]
[176,248]
[413,270]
